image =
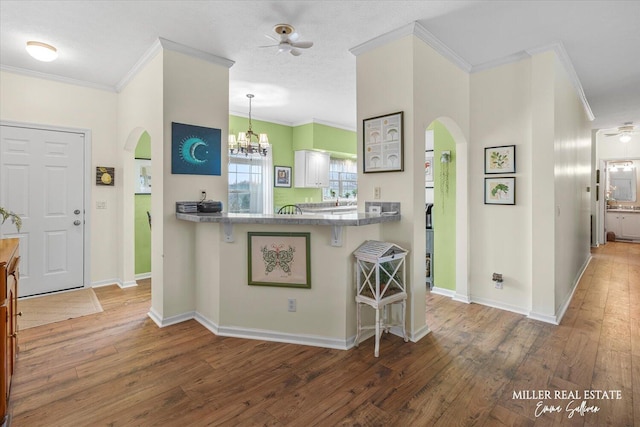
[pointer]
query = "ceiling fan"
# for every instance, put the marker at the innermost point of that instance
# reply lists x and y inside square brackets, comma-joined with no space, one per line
[625,131]
[287,40]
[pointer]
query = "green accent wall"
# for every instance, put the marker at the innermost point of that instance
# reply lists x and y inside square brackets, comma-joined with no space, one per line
[285,140]
[444,210]
[142,204]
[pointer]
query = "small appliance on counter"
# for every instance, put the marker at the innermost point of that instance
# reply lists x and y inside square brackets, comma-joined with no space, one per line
[203,206]
[209,206]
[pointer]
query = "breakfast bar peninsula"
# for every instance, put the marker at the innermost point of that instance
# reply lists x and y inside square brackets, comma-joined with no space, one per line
[233,301]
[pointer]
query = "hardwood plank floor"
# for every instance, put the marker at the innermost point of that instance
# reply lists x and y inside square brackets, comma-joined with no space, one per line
[116,368]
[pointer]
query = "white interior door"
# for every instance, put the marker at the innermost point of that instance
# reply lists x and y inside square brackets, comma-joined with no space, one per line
[41,179]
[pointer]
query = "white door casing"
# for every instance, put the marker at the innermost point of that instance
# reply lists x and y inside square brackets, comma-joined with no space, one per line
[42,179]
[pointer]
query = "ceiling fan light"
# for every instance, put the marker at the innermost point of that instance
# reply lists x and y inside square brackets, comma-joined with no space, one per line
[625,138]
[42,51]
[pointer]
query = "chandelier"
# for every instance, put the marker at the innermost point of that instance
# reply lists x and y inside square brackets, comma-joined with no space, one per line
[244,144]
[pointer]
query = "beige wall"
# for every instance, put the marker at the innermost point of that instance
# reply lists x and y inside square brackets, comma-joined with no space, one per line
[501,236]
[140,110]
[44,102]
[195,92]
[408,75]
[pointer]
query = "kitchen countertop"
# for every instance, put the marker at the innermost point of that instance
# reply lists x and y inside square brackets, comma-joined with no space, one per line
[624,210]
[346,219]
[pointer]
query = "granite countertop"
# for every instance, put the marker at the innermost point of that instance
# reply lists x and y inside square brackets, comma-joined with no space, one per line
[348,219]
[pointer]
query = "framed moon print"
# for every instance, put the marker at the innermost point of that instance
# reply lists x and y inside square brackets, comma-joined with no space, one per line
[280,259]
[195,150]
[383,143]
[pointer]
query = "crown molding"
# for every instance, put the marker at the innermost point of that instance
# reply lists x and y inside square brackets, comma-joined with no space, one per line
[519,56]
[60,79]
[155,48]
[417,30]
[564,59]
[196,53]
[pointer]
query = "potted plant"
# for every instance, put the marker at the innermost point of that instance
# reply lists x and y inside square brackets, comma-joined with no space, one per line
[6,214]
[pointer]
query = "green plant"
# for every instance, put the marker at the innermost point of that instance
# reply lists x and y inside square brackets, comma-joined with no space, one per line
[6,214]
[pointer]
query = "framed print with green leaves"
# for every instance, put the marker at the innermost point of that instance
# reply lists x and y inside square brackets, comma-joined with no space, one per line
[500,159]
[500,191]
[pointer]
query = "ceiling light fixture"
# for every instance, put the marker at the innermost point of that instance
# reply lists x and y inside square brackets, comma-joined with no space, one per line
[42,51]
[625,137]
[244,144]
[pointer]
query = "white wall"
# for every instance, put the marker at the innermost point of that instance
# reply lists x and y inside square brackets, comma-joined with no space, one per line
[572,153]
[501,236]
[46,102]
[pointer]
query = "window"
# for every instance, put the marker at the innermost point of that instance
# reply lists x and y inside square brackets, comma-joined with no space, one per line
[250,184]
[343,179]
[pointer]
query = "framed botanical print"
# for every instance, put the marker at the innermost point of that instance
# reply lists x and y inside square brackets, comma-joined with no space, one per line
[500,159]
[282,176]
[500,191]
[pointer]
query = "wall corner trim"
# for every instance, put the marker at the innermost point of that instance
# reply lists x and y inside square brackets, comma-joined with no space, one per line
[196,53]
[144,60]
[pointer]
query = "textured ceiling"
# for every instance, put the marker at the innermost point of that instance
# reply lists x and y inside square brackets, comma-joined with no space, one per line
[100,42]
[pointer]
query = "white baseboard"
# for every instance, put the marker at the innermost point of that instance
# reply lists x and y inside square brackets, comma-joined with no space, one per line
[543,317]
[259,334]
[565,305]
[420,333]
[462,298]
[444,292]
[107,282]
[129,284]
[168,321]
[155,316]
[500,305]
[142,276]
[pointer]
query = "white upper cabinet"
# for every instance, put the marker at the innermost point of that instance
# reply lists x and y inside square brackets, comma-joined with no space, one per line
[311,169]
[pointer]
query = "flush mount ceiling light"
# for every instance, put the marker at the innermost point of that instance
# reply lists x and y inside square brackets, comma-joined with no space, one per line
[625,137]
[42,51]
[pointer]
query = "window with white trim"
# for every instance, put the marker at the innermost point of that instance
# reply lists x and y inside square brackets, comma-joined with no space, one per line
[343,180]
[250,179]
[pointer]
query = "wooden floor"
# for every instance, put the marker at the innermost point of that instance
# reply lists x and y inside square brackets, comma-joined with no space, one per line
[117,368]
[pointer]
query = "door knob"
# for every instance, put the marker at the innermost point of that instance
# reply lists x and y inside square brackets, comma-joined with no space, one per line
[77,222]
[77,212]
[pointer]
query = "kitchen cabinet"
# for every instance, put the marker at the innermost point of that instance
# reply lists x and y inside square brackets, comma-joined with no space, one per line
[9,274]
[625,225]
[311,169]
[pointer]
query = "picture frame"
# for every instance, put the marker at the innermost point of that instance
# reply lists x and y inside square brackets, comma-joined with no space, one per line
[105,176]
[500,191]
[282,176]
[195,150]
[500,160]
[428,169]
[142,176]
[279,259]
[383,143]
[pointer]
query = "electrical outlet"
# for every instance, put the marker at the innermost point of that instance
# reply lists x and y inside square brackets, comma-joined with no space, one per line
[498,284]
[291,304]
[376,193]
[101,204]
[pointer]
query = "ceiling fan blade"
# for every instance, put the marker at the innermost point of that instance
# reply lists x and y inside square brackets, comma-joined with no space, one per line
[270,45]
[302,45]
[272,38]
[295,52]
[612,134]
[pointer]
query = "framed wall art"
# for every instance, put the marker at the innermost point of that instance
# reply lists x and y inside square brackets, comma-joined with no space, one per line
[500,159]
[383,140]
[143,176]
[280,259]
[500,191]
[428,169]
[282,176]
[195,150]
[105,175]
